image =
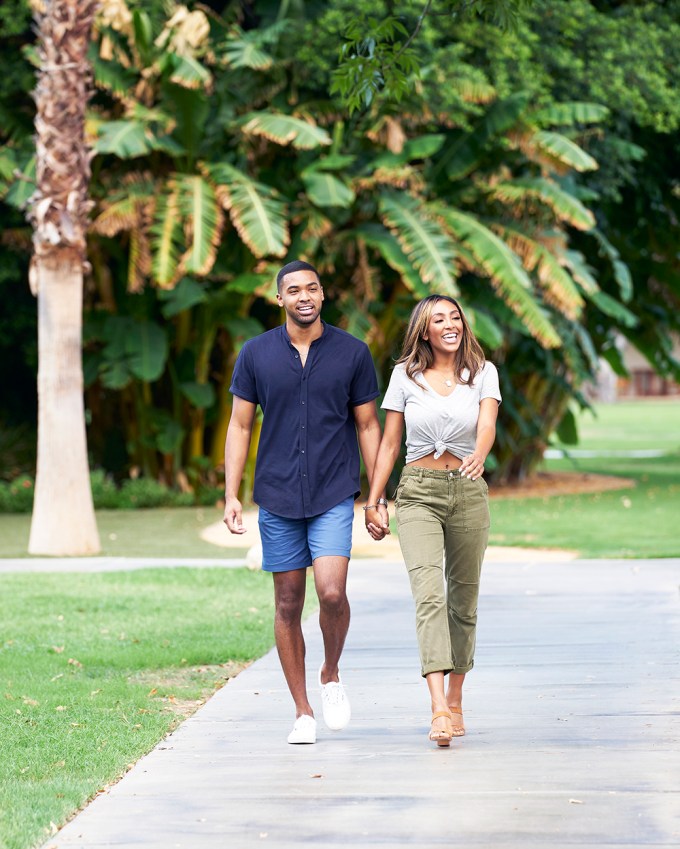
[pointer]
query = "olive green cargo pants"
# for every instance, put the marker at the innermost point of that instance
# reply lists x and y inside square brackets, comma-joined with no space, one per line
[443,518]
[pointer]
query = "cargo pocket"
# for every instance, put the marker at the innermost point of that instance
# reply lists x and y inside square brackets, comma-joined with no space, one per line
[476,501]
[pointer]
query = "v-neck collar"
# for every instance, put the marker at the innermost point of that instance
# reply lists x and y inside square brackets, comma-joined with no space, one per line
[439,394]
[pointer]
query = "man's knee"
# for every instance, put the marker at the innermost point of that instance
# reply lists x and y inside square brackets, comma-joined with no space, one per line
[289,609]
[332,599]
[289,598]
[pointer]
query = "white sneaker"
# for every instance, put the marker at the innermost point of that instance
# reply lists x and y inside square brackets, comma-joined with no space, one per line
[304,730]
[335,704]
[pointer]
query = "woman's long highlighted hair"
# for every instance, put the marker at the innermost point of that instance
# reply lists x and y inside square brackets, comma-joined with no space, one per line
[416,352]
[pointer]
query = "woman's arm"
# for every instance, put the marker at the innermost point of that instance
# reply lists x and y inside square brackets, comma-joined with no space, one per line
[473,465]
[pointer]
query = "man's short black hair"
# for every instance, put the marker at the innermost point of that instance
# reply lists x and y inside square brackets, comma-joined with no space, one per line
[291,267]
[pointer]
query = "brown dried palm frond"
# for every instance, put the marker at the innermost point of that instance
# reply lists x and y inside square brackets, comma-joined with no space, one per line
[365,277]
[388,132]
[115,15]
[399,177]
[525,141]
[139,260]
[317,225]
[186,32]
[128,209]
[557,285]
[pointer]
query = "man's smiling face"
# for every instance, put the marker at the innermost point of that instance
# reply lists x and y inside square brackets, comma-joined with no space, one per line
[301,296]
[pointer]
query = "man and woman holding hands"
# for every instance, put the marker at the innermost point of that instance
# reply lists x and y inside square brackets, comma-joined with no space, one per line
[316,386]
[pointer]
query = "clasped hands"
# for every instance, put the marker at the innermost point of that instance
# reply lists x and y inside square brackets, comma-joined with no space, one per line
[377,521]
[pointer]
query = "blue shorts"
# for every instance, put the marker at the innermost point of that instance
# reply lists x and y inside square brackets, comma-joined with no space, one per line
[295,543]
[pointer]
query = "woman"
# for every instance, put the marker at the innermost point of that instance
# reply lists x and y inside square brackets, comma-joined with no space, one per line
[447,395]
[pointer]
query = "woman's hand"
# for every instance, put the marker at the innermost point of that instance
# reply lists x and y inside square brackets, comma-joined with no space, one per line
[377,521]
[472,466]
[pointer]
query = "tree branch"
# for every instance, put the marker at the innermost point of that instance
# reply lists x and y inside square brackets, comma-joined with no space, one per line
[415,32]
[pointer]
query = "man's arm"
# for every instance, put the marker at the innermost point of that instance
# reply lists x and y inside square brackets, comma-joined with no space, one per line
[236,448]
[369,434]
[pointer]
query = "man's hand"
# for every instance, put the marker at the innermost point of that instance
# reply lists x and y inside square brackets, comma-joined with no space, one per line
[233,516]
[377,522]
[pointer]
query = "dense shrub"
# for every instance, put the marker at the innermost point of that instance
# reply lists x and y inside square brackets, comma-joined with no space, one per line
[17,495]
[146,492]
[104,491]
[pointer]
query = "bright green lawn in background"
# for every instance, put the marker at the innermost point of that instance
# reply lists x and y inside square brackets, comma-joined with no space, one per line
[159,532]
[630,425]
[638,522]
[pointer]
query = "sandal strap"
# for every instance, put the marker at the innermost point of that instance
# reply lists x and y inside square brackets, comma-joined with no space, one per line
[456,710]
[441,713]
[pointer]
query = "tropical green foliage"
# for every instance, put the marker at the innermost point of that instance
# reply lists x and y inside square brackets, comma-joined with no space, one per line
[497,178]
[378,55]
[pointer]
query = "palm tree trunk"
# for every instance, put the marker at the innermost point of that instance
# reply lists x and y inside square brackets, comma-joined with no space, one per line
[63,520]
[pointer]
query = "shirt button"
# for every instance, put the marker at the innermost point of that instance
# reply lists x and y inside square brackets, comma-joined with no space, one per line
[303,450]
[303,403]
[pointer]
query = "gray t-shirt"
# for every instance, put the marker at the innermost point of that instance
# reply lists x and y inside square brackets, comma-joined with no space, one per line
[437,422]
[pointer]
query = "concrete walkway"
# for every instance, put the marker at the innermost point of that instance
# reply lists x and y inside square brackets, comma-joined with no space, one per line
[573,715]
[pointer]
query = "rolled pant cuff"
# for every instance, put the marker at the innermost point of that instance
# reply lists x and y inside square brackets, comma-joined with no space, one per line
[445,668]
[436,667]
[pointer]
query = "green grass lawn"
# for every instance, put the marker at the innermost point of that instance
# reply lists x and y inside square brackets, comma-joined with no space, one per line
[160,532]
[630,426]
[639,522]
[96,668]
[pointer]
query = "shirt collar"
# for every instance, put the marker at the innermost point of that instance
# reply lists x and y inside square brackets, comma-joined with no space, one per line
[288,339]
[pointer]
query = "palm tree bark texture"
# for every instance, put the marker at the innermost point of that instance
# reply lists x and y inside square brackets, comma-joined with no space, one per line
[63,521]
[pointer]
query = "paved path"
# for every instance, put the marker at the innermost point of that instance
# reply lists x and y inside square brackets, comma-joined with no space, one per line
[573,714]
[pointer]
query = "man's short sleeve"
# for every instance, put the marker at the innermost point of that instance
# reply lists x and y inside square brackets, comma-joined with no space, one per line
[395,397]
[364,387]
[243,381]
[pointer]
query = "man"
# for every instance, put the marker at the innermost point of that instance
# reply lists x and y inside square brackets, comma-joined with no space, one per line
[316,386]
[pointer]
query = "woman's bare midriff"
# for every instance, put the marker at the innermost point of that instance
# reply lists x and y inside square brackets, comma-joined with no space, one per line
[444,463]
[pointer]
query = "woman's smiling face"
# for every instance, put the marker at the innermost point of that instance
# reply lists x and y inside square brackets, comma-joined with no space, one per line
[445,328]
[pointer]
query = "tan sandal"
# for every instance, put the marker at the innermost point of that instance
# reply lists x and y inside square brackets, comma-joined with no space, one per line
[441,736]
[457,724]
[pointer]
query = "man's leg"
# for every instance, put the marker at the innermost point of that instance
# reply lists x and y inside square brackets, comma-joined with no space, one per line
[330,578]
[330,575]
[329,537]
[289,599]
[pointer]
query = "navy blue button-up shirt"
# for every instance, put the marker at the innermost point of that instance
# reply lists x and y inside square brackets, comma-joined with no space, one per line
[308,455]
